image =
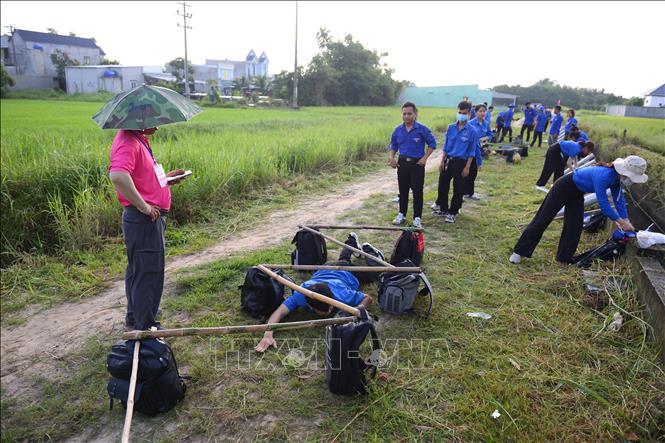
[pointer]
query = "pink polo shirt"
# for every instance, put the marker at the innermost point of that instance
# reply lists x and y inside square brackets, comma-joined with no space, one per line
[129,155]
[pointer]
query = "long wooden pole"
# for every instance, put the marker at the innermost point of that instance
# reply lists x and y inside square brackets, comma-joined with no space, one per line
[375,228]
[311,294]
[223,330]
[344,245]
[130,397]
[345,268]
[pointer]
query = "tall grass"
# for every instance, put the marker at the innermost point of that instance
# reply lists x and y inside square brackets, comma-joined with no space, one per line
[646,132]
[56,195]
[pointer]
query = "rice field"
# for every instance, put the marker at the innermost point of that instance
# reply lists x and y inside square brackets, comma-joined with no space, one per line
[645,132]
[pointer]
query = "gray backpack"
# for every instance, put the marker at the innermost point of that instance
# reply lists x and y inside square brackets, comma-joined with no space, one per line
[397,292]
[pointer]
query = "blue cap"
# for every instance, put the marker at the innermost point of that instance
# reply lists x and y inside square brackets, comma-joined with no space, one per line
[541,107]
[511,105]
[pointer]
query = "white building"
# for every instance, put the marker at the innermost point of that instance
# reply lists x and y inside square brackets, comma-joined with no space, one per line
[655,98]
[107,78]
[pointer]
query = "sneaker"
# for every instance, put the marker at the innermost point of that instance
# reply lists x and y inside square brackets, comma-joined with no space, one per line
[435,207]
[515,258]
[542,188]
[354,242]
[439,213]
[449,218]
[417,223]
[400,219]
[396,199]
[474,196]
[368,248]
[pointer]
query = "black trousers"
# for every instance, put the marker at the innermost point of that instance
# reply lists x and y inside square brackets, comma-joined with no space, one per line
[411,176]
[504,131]
[539,136]
[144,277]
[454,167]
[469,182]
[554,164]
[564,193]
[528,130]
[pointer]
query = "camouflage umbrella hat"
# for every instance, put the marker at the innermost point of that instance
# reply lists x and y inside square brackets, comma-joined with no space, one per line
[145,107]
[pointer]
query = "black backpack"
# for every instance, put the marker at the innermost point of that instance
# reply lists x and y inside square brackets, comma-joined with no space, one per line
[398,291]
[159,386]
[310,249]
[368,277]
[260,295]
[595,222]
[607,251]
[410,245]
[347,373]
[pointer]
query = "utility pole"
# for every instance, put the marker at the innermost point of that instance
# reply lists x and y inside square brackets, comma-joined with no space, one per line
[295,66]
[184,26]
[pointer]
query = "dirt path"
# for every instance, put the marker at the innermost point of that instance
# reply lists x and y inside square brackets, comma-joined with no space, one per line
[61,330]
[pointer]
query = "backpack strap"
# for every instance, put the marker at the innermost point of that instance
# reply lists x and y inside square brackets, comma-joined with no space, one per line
[427,290]
[376,347]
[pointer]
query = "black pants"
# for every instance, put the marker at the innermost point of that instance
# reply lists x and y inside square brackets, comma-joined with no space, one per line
[469,182]
[528,130]
[144,277]
[454,167]
[411,176]
[504,131]
[564,193]
[539,136]
[554,164]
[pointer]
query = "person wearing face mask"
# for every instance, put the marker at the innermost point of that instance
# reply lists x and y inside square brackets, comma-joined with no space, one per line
[556,126]
[482,127]
[558,156]
[529,118]
[569,192]
[458,153]
[508,123]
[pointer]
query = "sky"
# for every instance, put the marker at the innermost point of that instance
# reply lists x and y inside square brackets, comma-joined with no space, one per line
[604,45]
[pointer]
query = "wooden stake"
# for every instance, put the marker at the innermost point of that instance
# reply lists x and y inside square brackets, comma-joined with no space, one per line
[363,253]
[311,294]
[130,397]
[375,228]
[345,268]
[223,330]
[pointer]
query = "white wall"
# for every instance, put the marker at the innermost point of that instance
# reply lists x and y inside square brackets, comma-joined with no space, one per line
[88,80]
[38,61]
[653,101]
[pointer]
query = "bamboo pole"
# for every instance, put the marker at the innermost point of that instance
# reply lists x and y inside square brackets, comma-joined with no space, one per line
[344,245]
[345,268]
[130,397]
[223,330]
[375,228]
[311,294]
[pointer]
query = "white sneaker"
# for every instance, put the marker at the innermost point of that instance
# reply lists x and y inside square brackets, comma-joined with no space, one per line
[435,207]
[396,199]
[542,188]
[475,196]
[449,218]
[515,259]
[417,223]
[400,219]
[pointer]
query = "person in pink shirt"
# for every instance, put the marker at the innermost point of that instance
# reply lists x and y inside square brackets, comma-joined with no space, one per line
[143,190]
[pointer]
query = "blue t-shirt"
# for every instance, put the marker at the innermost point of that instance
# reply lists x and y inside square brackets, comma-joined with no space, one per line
[556,124]
[529,116]
[508,115]
[460,142]
[598,179]
[343,285]
[583,137]
[572,121]
[541,121]
[570,149]
[482,130]
[412,143]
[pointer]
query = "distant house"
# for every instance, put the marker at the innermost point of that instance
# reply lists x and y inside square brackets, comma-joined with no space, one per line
[655,98]
[450,96]
[107,78]
[28,56]
[230,70]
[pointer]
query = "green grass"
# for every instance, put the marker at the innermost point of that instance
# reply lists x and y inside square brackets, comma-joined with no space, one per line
[646,132]
[543,360]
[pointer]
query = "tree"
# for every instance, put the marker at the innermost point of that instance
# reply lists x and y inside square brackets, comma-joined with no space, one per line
[6,80]
[106,61]
[61,60]
[178,69]
[635,101]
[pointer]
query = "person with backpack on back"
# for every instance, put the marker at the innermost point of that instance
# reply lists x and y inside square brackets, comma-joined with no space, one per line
[342,286]
[568,192]
[409,140]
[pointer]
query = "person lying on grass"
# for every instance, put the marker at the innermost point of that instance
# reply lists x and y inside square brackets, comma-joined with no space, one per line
[340,285]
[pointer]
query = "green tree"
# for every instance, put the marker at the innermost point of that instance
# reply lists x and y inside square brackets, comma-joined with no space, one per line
[106,61]
[6,80]
[61,60]
[178,69]
[635,101]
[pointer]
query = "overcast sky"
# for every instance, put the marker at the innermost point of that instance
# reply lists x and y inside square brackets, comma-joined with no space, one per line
[612,45]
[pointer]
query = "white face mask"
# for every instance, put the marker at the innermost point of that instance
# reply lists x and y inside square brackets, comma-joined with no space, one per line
[626,181]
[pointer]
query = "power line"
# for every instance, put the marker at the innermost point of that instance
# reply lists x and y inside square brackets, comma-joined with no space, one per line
[184,26]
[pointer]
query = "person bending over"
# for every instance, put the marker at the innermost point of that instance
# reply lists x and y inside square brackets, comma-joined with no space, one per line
[560,155]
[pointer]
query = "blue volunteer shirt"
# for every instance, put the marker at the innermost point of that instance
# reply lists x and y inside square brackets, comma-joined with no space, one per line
[412,143]
[572,121]
[529,116]
[598,179]
[471,116]
[460,143]
[343,285]
[488,115]
[541,121]
[583,137]
[570,149]
[508,115]
[482,130]
[556,124]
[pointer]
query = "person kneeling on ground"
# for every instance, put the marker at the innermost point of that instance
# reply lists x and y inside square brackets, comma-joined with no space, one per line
[569,191]
[340,285]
